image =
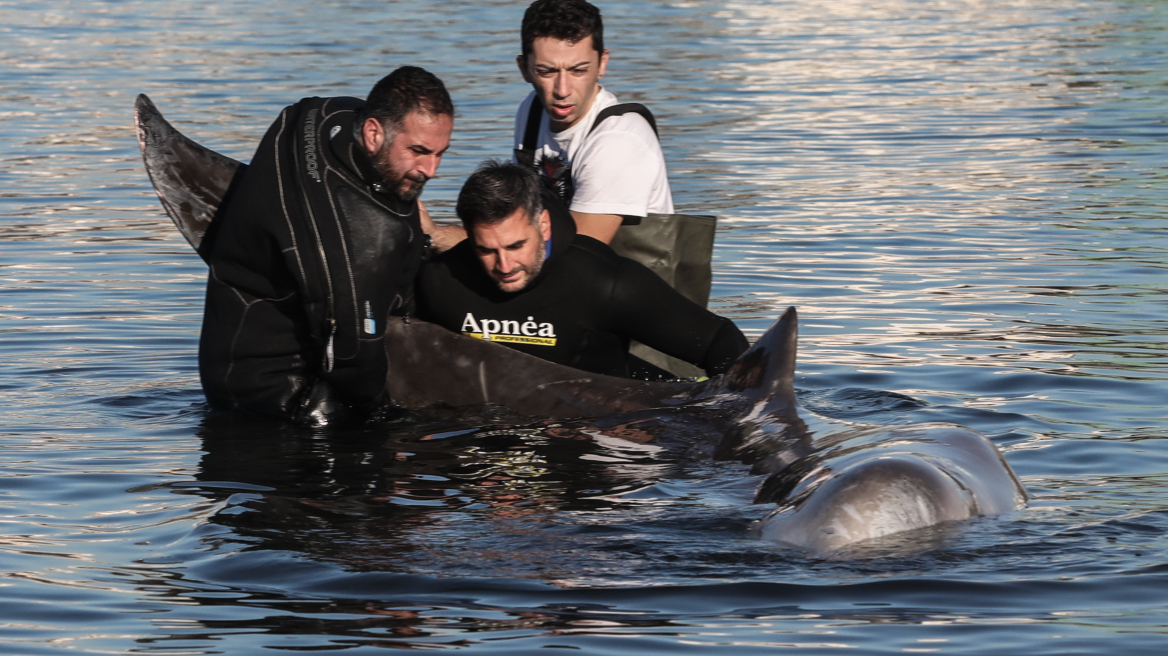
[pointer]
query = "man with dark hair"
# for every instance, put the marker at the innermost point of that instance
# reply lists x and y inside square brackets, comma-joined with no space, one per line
[319,241]
[525,278]
[602,158]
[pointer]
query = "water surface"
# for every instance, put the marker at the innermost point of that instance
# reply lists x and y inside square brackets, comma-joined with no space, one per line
[965,201]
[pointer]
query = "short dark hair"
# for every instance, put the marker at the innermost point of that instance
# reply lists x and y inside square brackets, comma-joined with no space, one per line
[495,190]
[408,89]
[564,20]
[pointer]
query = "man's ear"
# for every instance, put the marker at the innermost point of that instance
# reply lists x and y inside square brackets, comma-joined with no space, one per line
[372,136]
[603,63]
[545,225]
[521,62]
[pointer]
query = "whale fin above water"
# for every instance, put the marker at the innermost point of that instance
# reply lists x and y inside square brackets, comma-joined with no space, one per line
[429,365]
[766,371]
[193,182]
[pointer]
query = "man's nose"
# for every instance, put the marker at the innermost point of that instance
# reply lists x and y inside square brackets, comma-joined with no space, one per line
[561,88]
[506,262]
[428,165]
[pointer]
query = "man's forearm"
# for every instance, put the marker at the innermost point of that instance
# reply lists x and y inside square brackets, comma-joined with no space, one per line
[601,227]
[442,237]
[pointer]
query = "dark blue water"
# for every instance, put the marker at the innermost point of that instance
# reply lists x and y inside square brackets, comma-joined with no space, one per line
[965,200]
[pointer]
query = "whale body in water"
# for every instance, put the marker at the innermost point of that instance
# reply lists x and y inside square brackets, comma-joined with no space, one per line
[834,485]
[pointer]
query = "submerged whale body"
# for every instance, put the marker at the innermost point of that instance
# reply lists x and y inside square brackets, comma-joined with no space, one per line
[834,485]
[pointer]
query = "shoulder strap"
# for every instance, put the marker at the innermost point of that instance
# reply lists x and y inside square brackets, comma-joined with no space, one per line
[525,154]
[620,109]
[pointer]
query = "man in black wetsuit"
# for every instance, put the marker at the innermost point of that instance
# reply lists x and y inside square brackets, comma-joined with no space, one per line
[526,279]
[319,243]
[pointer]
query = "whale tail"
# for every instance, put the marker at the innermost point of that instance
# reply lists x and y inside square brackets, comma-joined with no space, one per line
[193,182]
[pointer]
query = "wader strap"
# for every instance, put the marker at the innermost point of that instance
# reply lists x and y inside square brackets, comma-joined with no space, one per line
[624,108]
[621,109]
[525,154]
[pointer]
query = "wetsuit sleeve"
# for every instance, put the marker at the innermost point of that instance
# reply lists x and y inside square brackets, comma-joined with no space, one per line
[728,344]
[645,308]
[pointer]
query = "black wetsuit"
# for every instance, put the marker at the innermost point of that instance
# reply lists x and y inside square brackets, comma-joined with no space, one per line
[581,310]
[310,257]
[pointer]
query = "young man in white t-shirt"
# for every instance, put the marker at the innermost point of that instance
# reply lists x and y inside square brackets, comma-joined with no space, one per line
[605,174]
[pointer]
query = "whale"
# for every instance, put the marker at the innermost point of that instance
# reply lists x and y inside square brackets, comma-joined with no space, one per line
[833,484]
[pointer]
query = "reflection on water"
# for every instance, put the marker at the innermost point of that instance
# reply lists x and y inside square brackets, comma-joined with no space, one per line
[964,199]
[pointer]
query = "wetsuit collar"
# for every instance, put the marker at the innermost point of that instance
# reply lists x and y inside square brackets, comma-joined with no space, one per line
[563,226]
[346,145]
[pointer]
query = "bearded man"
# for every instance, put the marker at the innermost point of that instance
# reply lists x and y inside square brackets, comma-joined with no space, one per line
[318,243]
[525,278]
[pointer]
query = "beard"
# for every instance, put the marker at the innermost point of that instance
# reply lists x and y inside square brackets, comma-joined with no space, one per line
[530,271]
[407,186]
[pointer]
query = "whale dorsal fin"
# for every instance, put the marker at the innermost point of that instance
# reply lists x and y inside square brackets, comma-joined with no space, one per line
[767,369]
[191,181]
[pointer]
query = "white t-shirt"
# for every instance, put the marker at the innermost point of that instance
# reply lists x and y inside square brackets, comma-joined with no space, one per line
[618,169]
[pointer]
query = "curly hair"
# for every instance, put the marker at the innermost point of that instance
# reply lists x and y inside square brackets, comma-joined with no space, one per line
[564,20]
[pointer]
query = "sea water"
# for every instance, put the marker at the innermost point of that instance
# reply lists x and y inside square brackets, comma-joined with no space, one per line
[964,198]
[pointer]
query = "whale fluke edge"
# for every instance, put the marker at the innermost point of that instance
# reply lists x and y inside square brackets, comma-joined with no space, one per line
[192,182]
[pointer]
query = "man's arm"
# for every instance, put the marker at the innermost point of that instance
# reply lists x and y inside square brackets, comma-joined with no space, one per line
[601,227]
[619,172]
[442,237]
[648,310]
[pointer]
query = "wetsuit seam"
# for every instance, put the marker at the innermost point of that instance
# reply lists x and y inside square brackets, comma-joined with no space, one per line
[283,200]
[311,217]
[234,338]
[343,238]
[231,355]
